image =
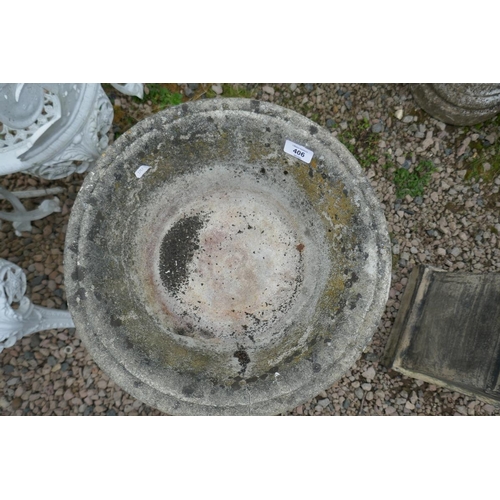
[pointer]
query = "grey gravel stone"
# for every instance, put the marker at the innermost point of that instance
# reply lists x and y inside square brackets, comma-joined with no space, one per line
[489,409]
[369,373]
[377,128]
[217,89]
[8,369]
[37,280]
[88,411]
[34,340]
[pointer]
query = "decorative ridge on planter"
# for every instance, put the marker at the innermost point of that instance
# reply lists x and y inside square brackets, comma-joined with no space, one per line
[458,103]
[229,277]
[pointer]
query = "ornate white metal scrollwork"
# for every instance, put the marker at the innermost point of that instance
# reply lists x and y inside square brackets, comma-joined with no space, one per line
[52,130]
[68,133]
[27,318]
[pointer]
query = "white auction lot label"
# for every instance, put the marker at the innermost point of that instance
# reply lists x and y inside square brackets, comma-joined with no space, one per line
[141,171]
[298,151]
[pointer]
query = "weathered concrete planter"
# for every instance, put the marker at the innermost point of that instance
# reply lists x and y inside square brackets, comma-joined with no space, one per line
[459,103]
[231,278]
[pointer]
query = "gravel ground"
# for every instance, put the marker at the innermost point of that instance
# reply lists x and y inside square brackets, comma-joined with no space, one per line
[451,223]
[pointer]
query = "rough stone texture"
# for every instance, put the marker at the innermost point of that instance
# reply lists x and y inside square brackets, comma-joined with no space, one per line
[231,278]
[448,331]
[459,103]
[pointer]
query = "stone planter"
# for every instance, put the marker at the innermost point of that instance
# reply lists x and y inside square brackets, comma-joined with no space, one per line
[459,103]
[230,278]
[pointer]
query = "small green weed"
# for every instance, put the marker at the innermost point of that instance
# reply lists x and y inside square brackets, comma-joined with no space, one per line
[365,142]
[368,158]
[161,97]
[345,138]
[389,163]
[476,170]
[364,124]
[229,90]
[413,183]
[481,154]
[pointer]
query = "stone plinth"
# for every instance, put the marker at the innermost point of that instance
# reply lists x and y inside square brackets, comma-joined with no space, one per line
[447,332]
[231,277]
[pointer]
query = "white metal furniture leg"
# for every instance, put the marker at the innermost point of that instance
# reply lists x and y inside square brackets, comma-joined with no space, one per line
[27,318]
[20,217]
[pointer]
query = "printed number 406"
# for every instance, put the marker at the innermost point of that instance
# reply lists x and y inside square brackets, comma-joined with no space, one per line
[298,152]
